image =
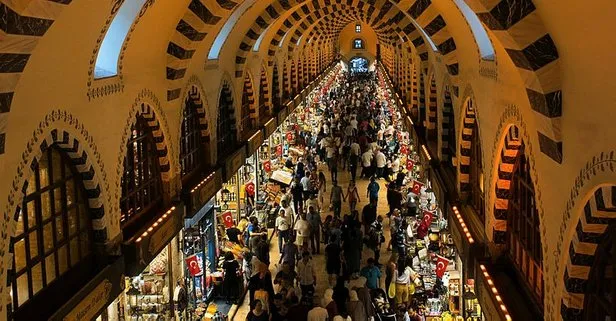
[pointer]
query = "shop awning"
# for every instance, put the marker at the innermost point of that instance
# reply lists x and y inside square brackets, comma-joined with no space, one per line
[199,195]
[282,177]
[234,162]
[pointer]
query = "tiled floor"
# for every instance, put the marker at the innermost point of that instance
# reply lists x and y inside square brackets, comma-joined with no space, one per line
[343,179]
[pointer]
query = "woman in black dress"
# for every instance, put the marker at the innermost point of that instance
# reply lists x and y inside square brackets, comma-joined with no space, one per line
[257,313]
[231,280]
[332,260]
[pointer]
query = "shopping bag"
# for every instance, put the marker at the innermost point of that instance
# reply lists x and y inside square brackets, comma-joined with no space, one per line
[411,288]
[391,292]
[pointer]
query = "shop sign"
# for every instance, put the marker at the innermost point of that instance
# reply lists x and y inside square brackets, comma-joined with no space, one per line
[234,162]
[89,302]
[254,142]
[488,306]
[270,127]
[144,247]
[282,115]
[203,193]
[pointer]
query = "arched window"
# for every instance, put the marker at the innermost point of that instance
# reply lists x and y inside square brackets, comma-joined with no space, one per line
[276,89]
[486,50]
[226,29]
[448,134]
[263,97]
[141,181]
[248,102]
[52,240]
[358,44]
[192,156]
[476,170]
[225,129]
[524,238]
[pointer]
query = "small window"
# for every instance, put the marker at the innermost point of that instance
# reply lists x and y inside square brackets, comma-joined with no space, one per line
[358,44]
[481,36]
[358,28]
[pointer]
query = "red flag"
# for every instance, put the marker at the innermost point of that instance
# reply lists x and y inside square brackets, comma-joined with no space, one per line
[193,265]
[250,189]
[289,136]
[427,218]
[416,187]
[409,167]
[441,266]
[267,166]
[227,219]
[279,150]
[404,149]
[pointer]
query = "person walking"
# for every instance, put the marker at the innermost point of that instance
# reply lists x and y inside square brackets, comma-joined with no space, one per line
[334,167]
[333,260]
[282,229]
[356,308]
[335,198]
[381,162]
[366,163]
[352,196]
[290,252]
[306,275]
[302,229]
[368,215]
[373,190]
[298,196]
[322,188]
[372,274]
[314,218]
[231,278]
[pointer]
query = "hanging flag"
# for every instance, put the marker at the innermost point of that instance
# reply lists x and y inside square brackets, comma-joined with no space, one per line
[441,266]
[289,136]
[416,187]
[427,218]
[409,167]
[279,150]
[192,263]
[250,189]
[267,166]
[404,149]
[227,219]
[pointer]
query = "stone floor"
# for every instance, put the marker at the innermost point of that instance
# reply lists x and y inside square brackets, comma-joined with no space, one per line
[343,179]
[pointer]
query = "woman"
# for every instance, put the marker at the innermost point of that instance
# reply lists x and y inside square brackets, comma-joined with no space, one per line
[260,286]
[329,303]
[356,308]
[231,278]
[322,185]
[258,313]
[352,195]
[332,260]
[390,269]
[341,296]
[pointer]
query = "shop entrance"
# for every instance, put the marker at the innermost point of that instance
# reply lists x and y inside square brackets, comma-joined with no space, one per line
[358,64]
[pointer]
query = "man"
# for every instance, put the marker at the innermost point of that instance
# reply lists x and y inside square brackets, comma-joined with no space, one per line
[335,198]
[302,228]
[376,237]
[306,275]
[372,274]
[354,159]
[317,313]
[314,218]
[282,228]
[298,196]
[381,162]
[288,211]
[368,215]
[366,163]
[373,190]
[306,185]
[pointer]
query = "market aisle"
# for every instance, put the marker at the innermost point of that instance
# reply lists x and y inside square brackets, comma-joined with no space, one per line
[343,179]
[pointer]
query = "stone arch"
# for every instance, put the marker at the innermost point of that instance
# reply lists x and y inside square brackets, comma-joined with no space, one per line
[248,110]
[226,130]
[194,94]
[598,213]
[264,96]
[293,76]
[448,127]
[276,93]
[286,92]
[432,110]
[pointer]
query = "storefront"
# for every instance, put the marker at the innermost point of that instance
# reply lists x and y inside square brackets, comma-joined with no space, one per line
[153,274]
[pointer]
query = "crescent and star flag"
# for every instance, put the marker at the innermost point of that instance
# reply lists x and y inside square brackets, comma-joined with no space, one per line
[193,265]
[441,266]
[227,219]
[289,136]
[404,149]
[279,150]
[409,167]
[250,189]
[426,221]
[267,166]
[416,187]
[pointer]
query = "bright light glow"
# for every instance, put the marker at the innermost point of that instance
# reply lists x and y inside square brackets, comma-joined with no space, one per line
[258,43]
[481,36]
[299,40]
[109,52]
[423,33]
[282,40]
[358,28]
[227,28]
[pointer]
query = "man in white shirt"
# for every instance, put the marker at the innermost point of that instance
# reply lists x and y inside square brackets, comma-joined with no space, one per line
[288,211]
[302,227]
[306,275]
[354,123]
[318,314]
[282,228]
[305,181]
[381,162]
[355,149]
[366,162]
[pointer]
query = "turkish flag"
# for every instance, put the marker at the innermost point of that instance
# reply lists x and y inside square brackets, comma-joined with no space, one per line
[227,219]
[416,187]
[279,150]
[441,266]
[404,149]
[409,167]
[250,189]
[192,263]
[289,136]
[267,166]
[427,218]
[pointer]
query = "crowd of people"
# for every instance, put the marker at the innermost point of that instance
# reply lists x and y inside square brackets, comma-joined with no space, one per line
[356,129]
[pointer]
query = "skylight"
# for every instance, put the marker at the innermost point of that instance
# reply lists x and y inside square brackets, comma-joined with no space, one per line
[109,52]
[481,36]
[423,33]
[227,28]
[282,40]
[299,40]
[260,39]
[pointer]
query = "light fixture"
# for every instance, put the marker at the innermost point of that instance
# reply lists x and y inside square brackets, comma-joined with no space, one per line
[467,233]
[503,308]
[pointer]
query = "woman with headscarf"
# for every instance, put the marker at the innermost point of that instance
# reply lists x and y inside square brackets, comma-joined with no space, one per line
[341,296]
[329,303]
[258,312]
[356,308]
[260,285]
[231,280]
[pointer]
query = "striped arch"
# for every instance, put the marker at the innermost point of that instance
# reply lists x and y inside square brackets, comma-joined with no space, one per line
[448,127]
[226,127]
[286,86]
[276,91]
[414,93]
[193,98]
[469,129]
[422,97]
[198,21]
[599,212]
[293,77]
[506,166]
[535,55]
[264,97]
[300,73]
[248,112]
[24,41]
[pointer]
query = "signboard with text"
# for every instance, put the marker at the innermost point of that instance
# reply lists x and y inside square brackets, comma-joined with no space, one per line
[203,193]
